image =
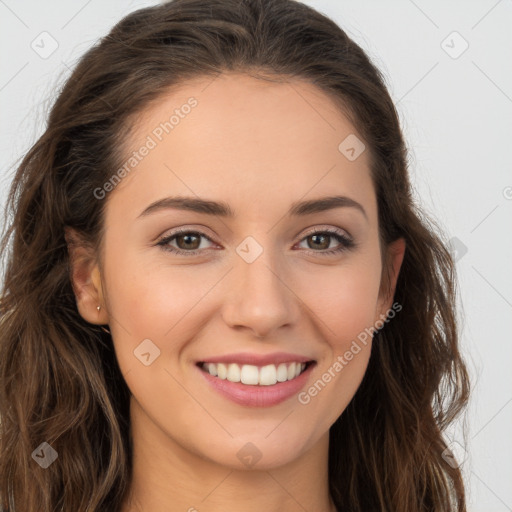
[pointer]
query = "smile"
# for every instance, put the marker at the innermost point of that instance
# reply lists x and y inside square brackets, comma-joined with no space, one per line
[261,385]
[251,375]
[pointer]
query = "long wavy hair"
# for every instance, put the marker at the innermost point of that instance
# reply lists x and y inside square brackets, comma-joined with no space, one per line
[59,378]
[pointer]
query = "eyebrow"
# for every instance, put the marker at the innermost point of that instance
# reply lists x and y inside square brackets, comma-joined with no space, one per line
[208,207]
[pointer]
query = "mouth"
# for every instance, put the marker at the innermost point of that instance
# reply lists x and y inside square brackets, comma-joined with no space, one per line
[256,380]
[255,375]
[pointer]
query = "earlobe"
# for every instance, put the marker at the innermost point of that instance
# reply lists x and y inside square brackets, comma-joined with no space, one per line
[85,279]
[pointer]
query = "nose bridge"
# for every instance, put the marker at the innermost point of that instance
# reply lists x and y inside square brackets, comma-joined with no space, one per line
[260,299]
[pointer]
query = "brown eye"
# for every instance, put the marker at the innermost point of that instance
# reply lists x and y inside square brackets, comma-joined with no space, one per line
[186,243]
[189,241]
[319,241]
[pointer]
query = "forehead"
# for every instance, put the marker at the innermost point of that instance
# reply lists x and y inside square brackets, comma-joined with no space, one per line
[236,136]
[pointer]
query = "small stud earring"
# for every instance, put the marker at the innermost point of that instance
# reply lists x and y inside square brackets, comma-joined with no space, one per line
[98,308]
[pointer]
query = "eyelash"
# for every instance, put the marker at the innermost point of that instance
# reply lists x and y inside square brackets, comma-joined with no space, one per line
[345,242]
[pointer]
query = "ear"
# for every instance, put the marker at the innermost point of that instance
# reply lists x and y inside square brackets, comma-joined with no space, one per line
[393,259]
[85,279]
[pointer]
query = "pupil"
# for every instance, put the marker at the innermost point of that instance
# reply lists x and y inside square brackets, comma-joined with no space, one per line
[316,237]
[187,238]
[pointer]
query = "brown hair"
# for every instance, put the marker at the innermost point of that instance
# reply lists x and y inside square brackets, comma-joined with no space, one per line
[59,378]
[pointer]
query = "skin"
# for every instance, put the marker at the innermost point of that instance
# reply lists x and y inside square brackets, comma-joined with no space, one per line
[259,146]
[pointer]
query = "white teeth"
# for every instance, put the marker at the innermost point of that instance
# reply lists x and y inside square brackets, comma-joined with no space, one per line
[222,371]
[268,375]
[233,373]
[249,374]
[282,373]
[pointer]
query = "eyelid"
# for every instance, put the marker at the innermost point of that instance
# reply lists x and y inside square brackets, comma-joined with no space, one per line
[313,229]
[200,230]
[317,229]
[326,228]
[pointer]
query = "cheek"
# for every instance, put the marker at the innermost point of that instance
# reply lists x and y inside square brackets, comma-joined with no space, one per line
[147,296]
[347,315]
[344,302]
[344,299]
[149,300]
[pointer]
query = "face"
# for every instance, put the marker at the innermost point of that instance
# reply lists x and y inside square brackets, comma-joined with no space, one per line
[256,286]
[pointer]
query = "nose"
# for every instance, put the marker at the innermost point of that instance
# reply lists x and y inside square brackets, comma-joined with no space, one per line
[260,299]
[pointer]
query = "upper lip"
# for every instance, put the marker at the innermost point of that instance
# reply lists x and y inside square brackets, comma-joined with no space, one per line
[258,359]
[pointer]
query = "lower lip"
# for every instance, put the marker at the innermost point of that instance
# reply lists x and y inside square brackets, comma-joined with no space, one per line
[258,396]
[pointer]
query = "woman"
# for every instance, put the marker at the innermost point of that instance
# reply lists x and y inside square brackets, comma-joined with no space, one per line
[220,294]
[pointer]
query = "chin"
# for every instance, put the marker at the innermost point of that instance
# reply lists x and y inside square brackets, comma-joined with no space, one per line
[259,452]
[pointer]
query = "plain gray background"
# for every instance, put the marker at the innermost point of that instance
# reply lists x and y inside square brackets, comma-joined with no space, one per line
[455,105]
